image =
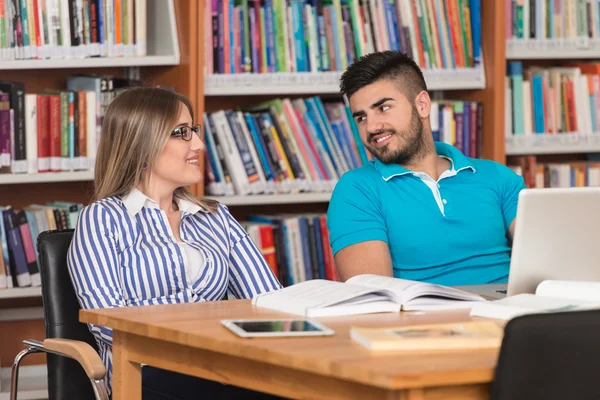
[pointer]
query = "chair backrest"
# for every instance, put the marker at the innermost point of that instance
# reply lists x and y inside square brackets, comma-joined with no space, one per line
[549,356]
[66,378]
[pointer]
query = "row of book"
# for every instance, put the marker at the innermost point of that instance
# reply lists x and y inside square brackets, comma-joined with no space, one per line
[553,100]
[555,19]
[556,175]
[54,130]
[262,36]
[296,246]
[305,145]
[40,29]
[19,230]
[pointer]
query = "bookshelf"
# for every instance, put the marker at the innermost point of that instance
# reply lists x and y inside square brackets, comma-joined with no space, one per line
[171,61]
[46,177]
[16,293]
[326,82]
[553,49]
[483,84]
[252,200]
[568,143]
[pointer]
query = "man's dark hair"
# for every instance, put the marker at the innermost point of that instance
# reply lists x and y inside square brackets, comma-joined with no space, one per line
[392,65]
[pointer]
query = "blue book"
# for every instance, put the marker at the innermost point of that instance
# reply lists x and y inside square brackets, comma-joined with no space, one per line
[16,251]
[514,70]
[260,145]
[475,13]
[466,128]
[319,246]
[391,25]
[537,92]
[270,29]
[304,235]
[213,156]
[362,152]
[231,33]
[298,32]
[4,250]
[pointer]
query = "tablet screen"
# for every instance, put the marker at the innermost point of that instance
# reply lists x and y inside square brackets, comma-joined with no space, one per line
[298,325]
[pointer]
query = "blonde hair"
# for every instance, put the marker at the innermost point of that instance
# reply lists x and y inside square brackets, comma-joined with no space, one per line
[136,127]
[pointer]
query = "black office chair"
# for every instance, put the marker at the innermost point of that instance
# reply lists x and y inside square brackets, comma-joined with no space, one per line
[550,357]
[71,351]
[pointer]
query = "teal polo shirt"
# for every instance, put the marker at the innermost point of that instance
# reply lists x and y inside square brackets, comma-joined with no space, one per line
[453,231]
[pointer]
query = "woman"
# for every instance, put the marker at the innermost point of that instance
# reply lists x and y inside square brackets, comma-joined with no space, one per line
[145,239]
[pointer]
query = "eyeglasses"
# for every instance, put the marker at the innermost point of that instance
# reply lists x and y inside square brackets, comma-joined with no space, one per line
[186,132]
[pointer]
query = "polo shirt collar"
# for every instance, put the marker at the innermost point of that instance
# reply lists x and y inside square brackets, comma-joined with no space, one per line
[135,200]
[458,162]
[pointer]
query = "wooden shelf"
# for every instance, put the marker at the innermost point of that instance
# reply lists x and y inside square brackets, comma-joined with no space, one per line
[33,383]
[273,199]
[283,83]
[8,179]
[97,62]
[15,293]
[562,143]
[547,49]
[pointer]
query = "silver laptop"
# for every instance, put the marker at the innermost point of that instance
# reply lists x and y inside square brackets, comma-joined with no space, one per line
[557,236]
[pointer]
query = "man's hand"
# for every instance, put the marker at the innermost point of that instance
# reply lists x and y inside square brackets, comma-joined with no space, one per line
[372,257]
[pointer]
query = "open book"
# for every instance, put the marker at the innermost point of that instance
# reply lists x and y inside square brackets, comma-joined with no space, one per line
[363,294]
[550,296]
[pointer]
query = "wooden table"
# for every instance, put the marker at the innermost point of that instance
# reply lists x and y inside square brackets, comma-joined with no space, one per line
[189,338]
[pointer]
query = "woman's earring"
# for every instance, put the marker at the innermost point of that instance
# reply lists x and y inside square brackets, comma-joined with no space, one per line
[144,166]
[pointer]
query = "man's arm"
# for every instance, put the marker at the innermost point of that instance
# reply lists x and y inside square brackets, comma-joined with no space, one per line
[372,257]
[511,230]
[512,184]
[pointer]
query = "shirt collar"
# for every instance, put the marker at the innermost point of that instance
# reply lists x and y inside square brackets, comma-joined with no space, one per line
[458,162]
[135,200]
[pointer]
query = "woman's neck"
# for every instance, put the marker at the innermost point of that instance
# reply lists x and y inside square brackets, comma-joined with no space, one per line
[163,197]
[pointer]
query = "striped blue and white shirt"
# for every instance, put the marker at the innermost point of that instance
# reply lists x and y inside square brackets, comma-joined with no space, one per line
[124,253]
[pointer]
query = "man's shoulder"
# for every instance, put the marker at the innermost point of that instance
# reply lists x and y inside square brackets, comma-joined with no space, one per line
[492,168]
[354,182]
[367,172]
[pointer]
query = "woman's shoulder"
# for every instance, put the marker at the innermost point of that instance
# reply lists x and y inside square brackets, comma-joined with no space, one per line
[109,206]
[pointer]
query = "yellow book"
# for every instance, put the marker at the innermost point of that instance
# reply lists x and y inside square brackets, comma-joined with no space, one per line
[447,336]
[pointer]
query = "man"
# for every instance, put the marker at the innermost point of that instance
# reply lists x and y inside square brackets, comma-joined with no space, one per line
[421,210]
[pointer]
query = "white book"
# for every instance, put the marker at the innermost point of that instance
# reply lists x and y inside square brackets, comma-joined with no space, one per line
[231,154]
[31,135]
[550,296]
[140,28]
[364,294]
[65,29]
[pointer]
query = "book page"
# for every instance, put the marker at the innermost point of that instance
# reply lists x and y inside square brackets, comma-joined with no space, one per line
[407,290]
[577,290]
[319,293]
[396,285]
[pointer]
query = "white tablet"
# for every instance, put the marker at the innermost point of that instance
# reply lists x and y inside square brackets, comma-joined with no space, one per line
[276,327]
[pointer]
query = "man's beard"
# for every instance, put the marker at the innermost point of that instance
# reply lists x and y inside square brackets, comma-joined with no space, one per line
[414,148]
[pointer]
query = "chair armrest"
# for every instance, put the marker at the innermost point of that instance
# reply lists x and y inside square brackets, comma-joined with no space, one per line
[81,352]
